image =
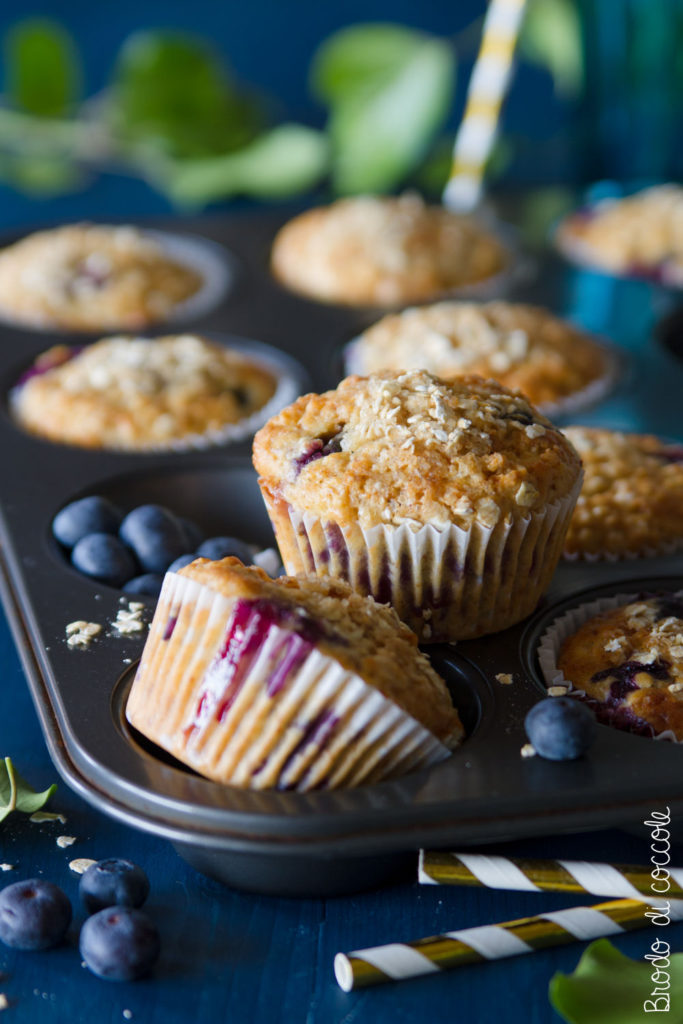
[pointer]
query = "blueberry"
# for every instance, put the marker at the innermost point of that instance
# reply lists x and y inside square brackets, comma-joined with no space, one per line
[181,562]
[149,583]
[560,728]
[113,882]
[220,547]
[119,943]
[193,535]
[105,558]
[155,535]
[88,515]
[33,915]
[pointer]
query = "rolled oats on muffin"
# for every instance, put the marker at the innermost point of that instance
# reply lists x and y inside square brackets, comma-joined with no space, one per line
[624,657]
[290,683]
[640,235]
[449,500]
[631,501]
[92,277]
[384,251]
[554,364]
[142,394]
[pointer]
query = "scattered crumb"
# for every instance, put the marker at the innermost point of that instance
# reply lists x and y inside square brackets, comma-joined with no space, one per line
[38,817]
[7,867]
[527,750]
[505,678]
[64,841]
[127,661]
[4,1001]
[81,864]
[129,620]
[558,691]
[128,1014]
[81,633]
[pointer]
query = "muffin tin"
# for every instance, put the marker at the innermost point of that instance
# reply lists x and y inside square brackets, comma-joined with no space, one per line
[279,842]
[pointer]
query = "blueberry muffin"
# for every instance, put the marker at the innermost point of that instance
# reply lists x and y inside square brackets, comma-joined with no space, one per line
[631,502]
[290,683]
[383,251]
[142,394]
[523,347]
[92,277]
[450,500]
[628,661]
[641,235]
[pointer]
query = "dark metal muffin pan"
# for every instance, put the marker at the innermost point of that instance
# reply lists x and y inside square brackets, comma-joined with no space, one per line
[288,843]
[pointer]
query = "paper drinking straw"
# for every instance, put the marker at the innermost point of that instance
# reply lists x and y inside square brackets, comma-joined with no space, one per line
[398,960]
[487,88]
[630,881]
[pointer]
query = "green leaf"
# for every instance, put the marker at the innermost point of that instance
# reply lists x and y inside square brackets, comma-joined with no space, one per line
[16,794]
[551,37]
[610,988]
[41,176]
[172,92]
[286,161]
[43,73]
[389,90]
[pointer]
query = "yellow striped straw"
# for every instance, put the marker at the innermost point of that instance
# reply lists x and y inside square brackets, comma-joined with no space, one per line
[398,960]
[630,881]
[487,88]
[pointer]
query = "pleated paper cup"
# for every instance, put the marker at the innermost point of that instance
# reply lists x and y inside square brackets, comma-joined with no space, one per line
[248,703]
[446,583]
[565,626]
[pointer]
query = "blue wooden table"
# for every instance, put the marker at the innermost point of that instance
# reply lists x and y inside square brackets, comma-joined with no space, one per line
[244,958]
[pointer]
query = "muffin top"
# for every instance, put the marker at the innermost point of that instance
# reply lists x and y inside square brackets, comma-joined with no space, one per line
[631,502]
[92,277]
[399,448]
[364,637]
[630,661]
[641,234]
[372,250]
[137,393]
[523,347]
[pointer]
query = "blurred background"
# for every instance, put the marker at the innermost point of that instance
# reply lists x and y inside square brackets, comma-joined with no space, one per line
[147,108]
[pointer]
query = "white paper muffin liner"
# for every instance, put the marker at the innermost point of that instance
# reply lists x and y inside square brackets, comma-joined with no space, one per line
[446,583]
[584,398]
[565,626]
[321,726]
[291,381]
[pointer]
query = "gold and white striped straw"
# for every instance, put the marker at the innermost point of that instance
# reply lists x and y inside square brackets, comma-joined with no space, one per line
[487,88]
[631,881]
[399,961]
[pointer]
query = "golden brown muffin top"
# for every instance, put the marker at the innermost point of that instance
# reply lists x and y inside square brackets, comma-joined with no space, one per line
[631,502]
[92,277]
[365,637]
[399,448]
[632,656]
[373,250]
[523,347]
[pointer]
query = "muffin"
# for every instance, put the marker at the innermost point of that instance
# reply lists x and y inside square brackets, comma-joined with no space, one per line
[92,277]
[625,659]
[141,394]
[523,347]
[384,251]
[290,683]
[450,500]
[641,235]
[631,502]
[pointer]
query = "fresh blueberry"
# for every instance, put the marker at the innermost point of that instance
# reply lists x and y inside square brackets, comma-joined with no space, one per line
[181,562]
[105,558]
[149,583]
[111,883]
[120,944]
[155,535]
[560,728]
[33,915]
[220,547]
[193,535]
[88,515]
